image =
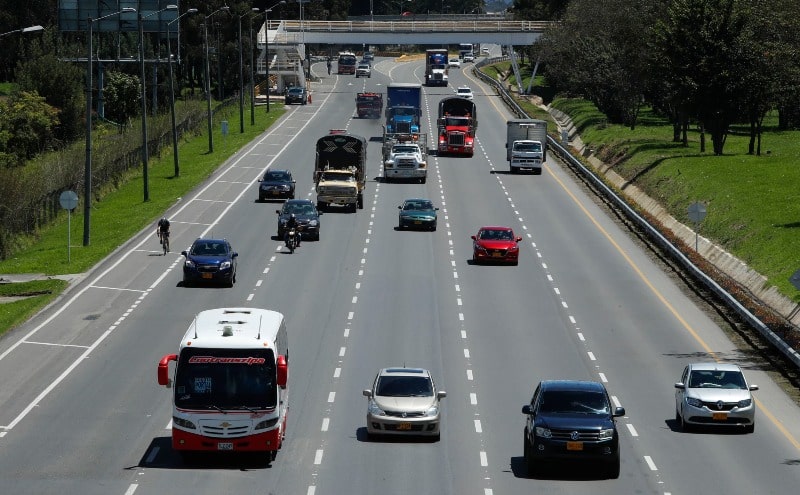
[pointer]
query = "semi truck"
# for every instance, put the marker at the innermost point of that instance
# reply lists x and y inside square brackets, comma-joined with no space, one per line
[339,170]
[405,157]
[403,108]
[457,124]
[369,105]
[436,67]
[526,145]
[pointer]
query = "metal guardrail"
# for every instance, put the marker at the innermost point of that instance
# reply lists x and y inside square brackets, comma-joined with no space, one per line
[653,233]
[460,26]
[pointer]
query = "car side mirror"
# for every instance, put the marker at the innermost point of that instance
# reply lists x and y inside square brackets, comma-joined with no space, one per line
[278,212]
[234,254]
[436,209]
[473,237]
[294,181]
[527,409]
[399,207]
[754,387]
[441,394]
[619,411]
[367,393]
[183,253]
[519,238]
[680,386]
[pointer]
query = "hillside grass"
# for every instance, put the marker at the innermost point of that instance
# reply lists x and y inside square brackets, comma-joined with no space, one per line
[122,212]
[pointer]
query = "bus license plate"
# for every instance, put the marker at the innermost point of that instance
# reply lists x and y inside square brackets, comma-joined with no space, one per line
[719,416]
[404,426]
[225,446]
[574,445]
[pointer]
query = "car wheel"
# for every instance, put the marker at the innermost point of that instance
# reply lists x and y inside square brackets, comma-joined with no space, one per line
[682,424]
[530,464]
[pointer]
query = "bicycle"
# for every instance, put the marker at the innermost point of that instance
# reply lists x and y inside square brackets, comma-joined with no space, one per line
[165,242]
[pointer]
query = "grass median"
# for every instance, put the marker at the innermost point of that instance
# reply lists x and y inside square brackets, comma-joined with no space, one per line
[119,215]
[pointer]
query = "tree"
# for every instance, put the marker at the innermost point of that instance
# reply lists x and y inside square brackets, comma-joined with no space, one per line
[26,128]
[122,94]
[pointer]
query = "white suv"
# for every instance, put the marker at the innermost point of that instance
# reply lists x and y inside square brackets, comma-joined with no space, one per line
[404,401]
[363,70]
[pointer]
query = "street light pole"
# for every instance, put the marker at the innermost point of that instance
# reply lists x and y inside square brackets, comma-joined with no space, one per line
[30,29]
[208,77]
[145,178]
[266,45]
[172,94]
[87,171]
[241,71]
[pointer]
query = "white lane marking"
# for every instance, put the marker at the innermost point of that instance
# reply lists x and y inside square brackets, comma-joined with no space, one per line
[346,332]
[358,285]
[478,428]
[458,301]
[318,457]
[650,463]
[325,423]
[311,490]
[350,315]
[633,431]
[342,351]
[132,489]
[259,282]
[615,401]
[463,334]
[266,270]
[603,377]
[473,398]
[591,356]
[355,299]
[57,345]
[466,353]
[117,288]
[458,288]
[250,297]
[460,316]
[484,460]
[337,372]
[331,396]
[558,292]
[487,491]
[581,337]
[469,375]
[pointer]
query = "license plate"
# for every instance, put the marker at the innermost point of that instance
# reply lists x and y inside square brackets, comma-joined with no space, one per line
[574,445]
[417,222]
[719,416]
[206,275]
[404,426]
[225,446]
[275,193]
[497,255]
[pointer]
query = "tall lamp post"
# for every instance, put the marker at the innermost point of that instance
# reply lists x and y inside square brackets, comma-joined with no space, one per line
[145,178]
[87,171]
[266,49]
[208,76]
[172,94]
[241,71]
[30,29]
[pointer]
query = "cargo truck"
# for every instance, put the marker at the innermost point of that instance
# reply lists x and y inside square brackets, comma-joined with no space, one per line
[339,170]
[369,105]
[405,157]
[436,67]
[403,108]
[526,145]
[457,124]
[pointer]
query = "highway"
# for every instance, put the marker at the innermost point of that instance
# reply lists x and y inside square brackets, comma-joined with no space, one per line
[82,412]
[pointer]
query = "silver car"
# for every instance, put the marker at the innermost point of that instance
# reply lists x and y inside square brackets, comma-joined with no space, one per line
[404,401]
[714,394]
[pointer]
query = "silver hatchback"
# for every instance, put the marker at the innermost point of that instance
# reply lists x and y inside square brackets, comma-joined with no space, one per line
[404,401]
[714,394]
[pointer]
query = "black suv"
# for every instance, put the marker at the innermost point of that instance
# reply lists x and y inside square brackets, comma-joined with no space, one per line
[305,214]
[568,419]
[276,184]
[296,94]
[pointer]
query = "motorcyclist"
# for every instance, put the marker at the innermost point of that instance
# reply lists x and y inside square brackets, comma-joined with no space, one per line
[291,224]
[162,229]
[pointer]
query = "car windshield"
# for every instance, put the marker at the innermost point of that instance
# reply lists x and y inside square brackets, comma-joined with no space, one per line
[464,91]
[277,176]
[527,147]
[456,121]
[209,248]
[363,66]
[573,402]
[404,386]
[404,111]
[296,91]
[406,149]
[298,209]
[418,205]
[496,235]
[716,379]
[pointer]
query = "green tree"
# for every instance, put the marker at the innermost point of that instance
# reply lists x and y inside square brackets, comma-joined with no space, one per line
[26,128]
[122,95]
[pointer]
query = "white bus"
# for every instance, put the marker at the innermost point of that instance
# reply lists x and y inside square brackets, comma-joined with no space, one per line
[230,382]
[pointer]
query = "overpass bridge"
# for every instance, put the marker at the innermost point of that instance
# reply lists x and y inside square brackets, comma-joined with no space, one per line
[283,42]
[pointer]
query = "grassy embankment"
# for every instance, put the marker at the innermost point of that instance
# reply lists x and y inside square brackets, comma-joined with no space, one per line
[120,214]
[753,202]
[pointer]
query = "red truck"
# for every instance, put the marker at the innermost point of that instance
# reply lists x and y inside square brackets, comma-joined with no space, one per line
[457,124]
[369,105]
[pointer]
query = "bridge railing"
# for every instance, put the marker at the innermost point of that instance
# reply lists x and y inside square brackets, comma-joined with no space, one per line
[477,26]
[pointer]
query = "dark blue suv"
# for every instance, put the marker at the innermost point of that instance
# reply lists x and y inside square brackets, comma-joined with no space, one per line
[569,419]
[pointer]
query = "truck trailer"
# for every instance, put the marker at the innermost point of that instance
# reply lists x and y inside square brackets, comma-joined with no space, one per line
[403,108]
[339,170]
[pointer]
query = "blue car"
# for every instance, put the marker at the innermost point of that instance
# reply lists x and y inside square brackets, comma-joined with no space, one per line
[210,260]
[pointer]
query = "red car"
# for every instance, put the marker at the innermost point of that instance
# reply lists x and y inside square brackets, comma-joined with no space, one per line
[495,244]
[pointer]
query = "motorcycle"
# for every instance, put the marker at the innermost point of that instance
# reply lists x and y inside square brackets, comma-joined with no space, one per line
[291,240]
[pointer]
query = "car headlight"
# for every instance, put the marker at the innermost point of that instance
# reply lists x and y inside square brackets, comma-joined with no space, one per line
[514,248]
[744,403]
[183,423]
[694,402]
[432,411]
[313,223]
[188,263]
[543,432]
[606,434]
[373,409]
[269,423]
[224,265]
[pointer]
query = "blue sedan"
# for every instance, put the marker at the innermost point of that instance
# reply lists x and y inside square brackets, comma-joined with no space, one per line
[210,260]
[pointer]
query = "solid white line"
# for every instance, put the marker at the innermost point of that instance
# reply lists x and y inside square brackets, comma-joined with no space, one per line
[650,463]
[56,345]
[318,457]
[116,288]
[633,431]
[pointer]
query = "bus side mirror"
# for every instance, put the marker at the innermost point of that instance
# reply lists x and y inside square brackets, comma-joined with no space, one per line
[163,370]
[283,371]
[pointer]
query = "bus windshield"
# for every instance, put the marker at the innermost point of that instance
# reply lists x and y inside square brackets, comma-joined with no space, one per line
[226,379]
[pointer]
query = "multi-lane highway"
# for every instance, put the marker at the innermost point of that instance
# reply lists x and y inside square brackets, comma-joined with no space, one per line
[81,411]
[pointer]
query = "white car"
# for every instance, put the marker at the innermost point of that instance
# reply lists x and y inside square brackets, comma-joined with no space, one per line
[454,62]
[363,70]
[485,50]
[468,57]
[404,401]
[714,394]
[464,92]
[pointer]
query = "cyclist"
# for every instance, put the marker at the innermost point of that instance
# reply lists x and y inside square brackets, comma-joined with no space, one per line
[162,231]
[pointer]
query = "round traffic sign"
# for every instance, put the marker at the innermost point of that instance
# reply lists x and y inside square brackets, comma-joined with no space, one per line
[68,200]
[697,212]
